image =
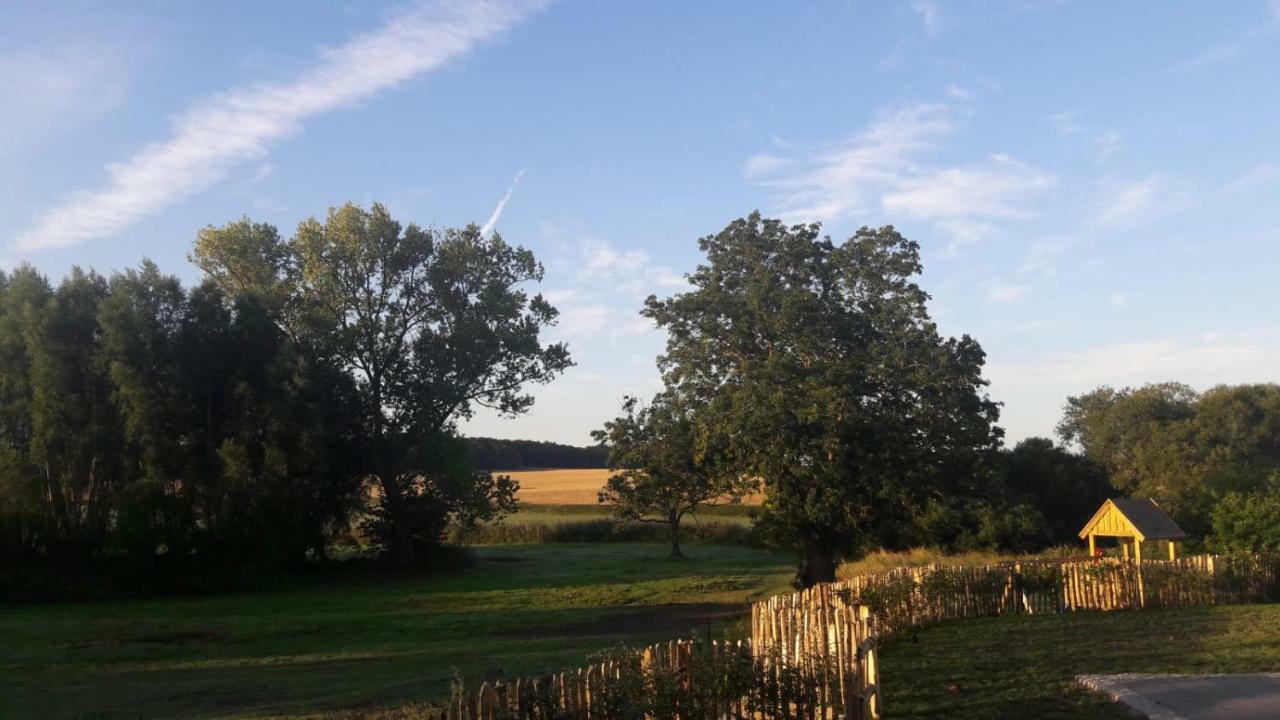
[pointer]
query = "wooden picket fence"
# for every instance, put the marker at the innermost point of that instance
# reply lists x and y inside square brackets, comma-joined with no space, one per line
[590,693]
[823,631]
[909,597]
[829,633]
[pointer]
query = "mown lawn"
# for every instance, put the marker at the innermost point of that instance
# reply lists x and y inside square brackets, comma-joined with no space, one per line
[1024,666]
[346,644]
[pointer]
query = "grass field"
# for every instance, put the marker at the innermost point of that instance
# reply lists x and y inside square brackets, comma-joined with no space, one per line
[566,486]
[346,645]
[355,643]
[1023,666]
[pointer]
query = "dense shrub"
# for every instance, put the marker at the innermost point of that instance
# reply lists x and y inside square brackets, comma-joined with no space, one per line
[1248,522]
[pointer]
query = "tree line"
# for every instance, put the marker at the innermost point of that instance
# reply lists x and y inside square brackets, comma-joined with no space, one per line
[241,420]
[810,370]
[498,454]
[313,384]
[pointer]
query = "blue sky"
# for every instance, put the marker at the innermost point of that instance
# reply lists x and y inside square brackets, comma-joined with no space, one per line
[1095,185]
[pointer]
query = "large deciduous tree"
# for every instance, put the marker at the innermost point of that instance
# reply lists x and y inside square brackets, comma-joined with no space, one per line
[824,376]
[430,323]
[659,473]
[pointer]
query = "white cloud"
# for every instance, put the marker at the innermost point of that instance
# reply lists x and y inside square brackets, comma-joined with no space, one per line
[1043,254]
[241,125]
[1137,201]
[1000,291]
[763,164]
[263,172]
[1108,143]
[492,222]
[576,321]
[1033,326]
[958,92]
[1231,49]
[1118,300]
[1065,124]
[996,190]
[1034,390]
[632,271]
[882,170]
[1259,175]
[930,14]
[1209,361]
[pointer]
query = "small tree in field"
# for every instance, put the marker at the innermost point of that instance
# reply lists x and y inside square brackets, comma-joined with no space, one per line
[658,475]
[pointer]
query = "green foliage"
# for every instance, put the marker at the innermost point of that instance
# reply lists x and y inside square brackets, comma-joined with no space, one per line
[144,426]
[823,376]
[1183,448]
[501,454]
[428,323]
[1248,523]
[657,467]
[1064,488]
[154,431]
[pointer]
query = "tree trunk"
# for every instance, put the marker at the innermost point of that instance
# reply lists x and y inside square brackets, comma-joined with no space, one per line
[819,563]
[674,519]
[393,498]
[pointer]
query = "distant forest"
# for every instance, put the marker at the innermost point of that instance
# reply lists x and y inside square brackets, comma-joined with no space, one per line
[495,454]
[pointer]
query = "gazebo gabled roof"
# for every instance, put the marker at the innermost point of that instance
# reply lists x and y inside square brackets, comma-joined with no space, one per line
[1138,517]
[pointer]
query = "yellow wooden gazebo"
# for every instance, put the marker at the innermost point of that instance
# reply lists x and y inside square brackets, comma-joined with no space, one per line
[1133,521]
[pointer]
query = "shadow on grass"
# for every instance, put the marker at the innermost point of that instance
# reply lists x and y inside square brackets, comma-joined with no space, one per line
[1024,666]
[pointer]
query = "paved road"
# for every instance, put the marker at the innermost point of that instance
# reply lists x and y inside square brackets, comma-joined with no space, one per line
[1254,696]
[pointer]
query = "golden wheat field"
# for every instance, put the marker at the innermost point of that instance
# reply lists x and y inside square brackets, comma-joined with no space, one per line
[560,486]
[566,486]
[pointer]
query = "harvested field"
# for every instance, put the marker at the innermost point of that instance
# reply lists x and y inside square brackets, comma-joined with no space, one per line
[574,486]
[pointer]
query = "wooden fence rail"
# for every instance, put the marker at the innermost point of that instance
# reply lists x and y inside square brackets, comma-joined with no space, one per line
[907,597]
[824,640]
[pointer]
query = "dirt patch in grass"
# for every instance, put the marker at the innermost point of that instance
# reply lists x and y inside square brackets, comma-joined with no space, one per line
[674,620]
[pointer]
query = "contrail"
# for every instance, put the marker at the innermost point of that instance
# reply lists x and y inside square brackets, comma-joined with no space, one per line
[497,211]
[240,125]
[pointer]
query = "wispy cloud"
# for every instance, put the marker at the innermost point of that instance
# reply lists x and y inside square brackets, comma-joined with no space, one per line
[883,169]
[1000,291]
[1208,360]
[930,15]
[1132,202]
[492,222]
[631,271]
[993,190]
[1068,124]
[1118,300]
[241,125]
[263,172]
[1234,47]
[1033,390]
[49,87]
[1044,254]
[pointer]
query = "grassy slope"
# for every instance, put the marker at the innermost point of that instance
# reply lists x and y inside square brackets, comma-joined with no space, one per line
[1023,666]
[358,642]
